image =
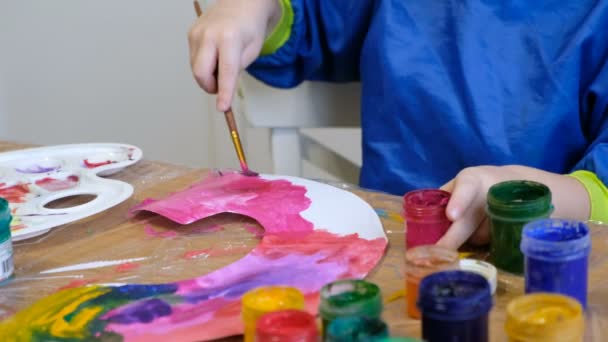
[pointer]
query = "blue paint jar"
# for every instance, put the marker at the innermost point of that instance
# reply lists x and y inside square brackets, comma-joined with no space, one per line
[556,257]
[455,306]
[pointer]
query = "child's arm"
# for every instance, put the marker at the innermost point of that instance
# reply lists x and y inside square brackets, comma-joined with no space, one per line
[298,40]
[469,188]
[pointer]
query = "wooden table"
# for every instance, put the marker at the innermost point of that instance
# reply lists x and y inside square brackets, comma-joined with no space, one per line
[111,236]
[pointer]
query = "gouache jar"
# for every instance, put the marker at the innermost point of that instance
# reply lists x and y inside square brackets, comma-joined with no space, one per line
[556,257]
[6,244]
[455,306]
[544,317]
[287,326]
[425,218]
[421,261]
[511,205]
[355,329]
[260,301]
[349,298]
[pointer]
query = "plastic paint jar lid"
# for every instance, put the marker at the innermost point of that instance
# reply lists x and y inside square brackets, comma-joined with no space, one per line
[454,296]
[519,200]
[262,300]
[423,260]
[556,240]
[350,298]
[544,317]
[483,268]
[355,329]
[426,204]
[287,326]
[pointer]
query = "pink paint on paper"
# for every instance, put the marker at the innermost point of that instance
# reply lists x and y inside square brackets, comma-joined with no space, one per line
[276,204]
[150,231]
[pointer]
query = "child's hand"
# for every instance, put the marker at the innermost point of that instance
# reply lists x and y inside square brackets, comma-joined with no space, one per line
[469,188]
[228,37]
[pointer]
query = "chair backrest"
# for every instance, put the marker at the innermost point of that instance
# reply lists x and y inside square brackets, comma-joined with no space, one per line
[311,104]
[296,118]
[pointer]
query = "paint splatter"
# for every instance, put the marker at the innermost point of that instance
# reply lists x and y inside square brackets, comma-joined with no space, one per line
[77,283]
[54,184]
[155,233]
[207,229]
[15,193]
[126,267]
[255,230]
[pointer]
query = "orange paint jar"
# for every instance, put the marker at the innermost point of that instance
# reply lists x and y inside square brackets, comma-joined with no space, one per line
[421,261]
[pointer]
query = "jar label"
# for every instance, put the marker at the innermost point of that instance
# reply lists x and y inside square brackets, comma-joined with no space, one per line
[6,259]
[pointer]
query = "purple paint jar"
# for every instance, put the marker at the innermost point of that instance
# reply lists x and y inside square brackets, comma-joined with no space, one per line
[556,257]
[455,306]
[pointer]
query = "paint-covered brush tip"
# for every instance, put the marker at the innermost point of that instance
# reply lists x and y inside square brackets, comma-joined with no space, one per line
[250,173]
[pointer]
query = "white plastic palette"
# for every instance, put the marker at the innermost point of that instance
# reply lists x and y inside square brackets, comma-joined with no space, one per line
[30,179]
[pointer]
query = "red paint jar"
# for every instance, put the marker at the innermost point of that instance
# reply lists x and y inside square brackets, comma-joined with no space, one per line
[287,326]
[425,217]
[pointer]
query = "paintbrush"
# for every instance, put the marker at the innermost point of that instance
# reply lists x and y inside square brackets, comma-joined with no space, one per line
[234,133]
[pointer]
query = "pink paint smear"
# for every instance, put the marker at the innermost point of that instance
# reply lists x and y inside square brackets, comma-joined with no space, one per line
[276,205]
[150,231]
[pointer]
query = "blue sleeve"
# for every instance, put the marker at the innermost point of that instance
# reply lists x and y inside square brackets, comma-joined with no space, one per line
[324,44]
[594,112]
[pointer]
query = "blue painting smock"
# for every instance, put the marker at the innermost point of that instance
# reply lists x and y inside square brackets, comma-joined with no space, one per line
[452,84]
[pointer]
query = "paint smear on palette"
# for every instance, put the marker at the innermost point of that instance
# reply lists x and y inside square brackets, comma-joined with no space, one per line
[150,231]
[15,193]
[207,307]
[54,184]
[38,169]
[91,165]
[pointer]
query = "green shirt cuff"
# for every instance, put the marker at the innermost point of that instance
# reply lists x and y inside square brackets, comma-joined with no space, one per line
[598,194]
[281,32]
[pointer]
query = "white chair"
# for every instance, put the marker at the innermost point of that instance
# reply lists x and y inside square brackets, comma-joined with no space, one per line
[298,118]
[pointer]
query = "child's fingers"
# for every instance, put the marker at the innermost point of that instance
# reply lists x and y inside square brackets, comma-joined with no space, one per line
[459,232]
[228,70]
[465,189]
[205,65]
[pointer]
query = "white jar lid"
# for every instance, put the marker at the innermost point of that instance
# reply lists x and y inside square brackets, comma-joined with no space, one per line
[483,268]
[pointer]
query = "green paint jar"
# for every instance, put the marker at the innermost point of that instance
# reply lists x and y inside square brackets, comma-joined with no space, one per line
[511,205]
[6,244]
[345,298]
[356,329]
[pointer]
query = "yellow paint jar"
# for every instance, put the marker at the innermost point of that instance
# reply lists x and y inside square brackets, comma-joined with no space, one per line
[544,317]
[259,301]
